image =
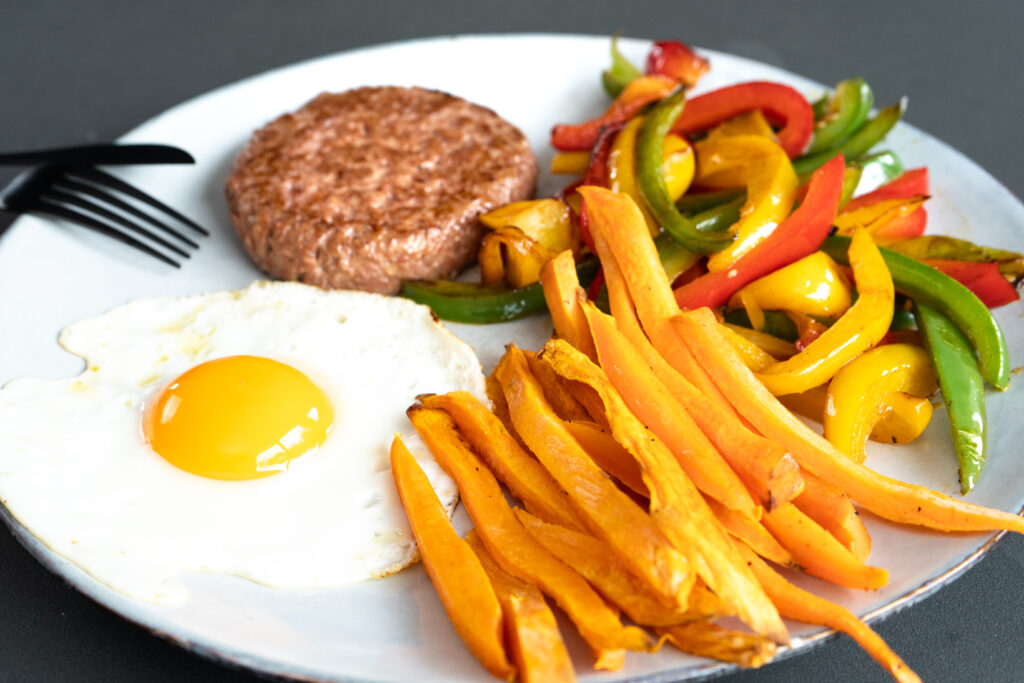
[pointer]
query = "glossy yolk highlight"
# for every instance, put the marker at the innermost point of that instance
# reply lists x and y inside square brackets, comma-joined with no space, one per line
[240,417]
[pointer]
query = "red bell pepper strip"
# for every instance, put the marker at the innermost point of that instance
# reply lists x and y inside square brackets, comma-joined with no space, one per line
[908,184]
[637,95]
[781,104]
[984,279]
[902,227]
[676,60]
[797,236]
[597,173]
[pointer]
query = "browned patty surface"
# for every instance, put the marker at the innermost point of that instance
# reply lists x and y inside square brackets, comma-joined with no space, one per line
[368,187]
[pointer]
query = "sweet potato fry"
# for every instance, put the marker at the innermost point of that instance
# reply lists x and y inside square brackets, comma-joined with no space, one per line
[534,643]
[603,449]
[752,533]
[676,505]
[650,401]
[834,511]
[515,468]
[608,513]
[561,399]
[894,500]
[558,278]
[615,221]
[457,575]
[704,639]
[818,552]
[605,571]
[795,603]
[515,550]
[771,474]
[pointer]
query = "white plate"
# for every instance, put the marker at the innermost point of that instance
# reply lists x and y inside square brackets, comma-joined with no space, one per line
[395,629]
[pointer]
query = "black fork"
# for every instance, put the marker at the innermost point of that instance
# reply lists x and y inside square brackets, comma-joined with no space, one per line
[97,200]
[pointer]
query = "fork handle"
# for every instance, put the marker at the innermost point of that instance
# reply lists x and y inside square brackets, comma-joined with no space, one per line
[100,155]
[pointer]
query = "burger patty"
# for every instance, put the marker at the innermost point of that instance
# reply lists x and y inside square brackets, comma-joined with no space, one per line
[366,188]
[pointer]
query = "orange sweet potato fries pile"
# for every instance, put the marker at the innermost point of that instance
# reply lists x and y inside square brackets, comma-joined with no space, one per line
[658,480]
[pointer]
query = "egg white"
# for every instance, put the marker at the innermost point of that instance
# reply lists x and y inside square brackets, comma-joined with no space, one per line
[75,469]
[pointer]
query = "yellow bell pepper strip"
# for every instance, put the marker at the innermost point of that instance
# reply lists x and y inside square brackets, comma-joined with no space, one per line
[780,103]
[860,328]
[963,390]
[620,73]
[845,112]
[856,395]
[888,220]
[748,123]
[925,284]
[650,145]
[548,221]
[799,235]
[630,102]
[903,417]
[860,142]
[472,302]
[678,165]
[570,163]
[764,168]
[508,256]
[814,285]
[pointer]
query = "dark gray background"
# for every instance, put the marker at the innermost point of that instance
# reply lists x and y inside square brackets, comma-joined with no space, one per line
[89,71]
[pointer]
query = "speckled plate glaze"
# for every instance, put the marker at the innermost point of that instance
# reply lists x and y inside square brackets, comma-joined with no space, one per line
[395,629]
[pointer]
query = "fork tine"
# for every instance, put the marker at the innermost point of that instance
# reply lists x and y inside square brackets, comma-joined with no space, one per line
[44,206]
[106,197]
[94,208]
[103,178]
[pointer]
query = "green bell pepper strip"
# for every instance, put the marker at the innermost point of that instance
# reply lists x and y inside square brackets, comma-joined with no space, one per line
[925,284]
[702,201]
[860,142]
[472,302]
[649,148]
[620,73]
[876,170]
[963,389]
[852,103]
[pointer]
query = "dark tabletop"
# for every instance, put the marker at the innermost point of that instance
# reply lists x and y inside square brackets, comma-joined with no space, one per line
[83,72]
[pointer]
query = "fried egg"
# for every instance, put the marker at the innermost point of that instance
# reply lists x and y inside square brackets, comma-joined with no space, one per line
[241,433]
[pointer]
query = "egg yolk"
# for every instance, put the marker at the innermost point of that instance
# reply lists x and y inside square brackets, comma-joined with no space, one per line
[240,417]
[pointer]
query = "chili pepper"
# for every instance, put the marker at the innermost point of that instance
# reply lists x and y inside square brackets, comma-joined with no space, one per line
[984,279]
[846,112]
[549,221]
[597,173]
[672,58]
[472,302]
[924,284]
[962,386]
[857,394]
[764,168]
[507,255]
[781,104]
[649,153]
[860,142]
[887,220]
[799,235]
[620,73]
[908,184]
[630,102]
[859,329]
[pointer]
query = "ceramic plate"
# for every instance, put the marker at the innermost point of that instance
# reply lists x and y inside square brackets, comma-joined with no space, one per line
[395,629]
